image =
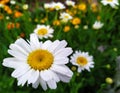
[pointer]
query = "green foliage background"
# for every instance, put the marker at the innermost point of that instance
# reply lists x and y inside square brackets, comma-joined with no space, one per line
[79,39]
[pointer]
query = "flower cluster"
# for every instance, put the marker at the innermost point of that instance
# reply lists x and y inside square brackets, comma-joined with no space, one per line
[59,41]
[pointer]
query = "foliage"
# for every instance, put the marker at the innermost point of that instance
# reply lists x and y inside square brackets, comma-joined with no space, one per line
[102,44]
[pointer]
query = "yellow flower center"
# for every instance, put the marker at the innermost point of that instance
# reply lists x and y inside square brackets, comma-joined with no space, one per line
[57,7]
[40,59]
[42,31]
[66,16]
[109,0]
[82,61]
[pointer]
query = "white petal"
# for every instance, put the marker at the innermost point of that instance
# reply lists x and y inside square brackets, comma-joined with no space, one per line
[79,69]
[36,84]
[54,76]
[34,42]
[46,44]
[64,78]
[60,60]
[23,44]
[15,47]
[23,79]
[52,84]
[17,54]
[20,71]
[33,77]
[61,45]
[63,52]
[43,84]
[53,46]
[62,69]
[12,62]
[46,75]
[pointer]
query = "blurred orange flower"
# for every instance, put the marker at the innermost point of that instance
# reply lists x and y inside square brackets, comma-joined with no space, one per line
[4,1]
[17,14]
[7,9]
[10,25]
[76,21]
[66,28]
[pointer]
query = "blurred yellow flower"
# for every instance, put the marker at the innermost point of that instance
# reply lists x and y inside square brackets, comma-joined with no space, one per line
[73,68]
[25,6]
[56,22]
[76,21]
[17,25]
[66,28]
[94,7]
[109,80]
[98,18]
[43,20]
[82,7]
[1,16]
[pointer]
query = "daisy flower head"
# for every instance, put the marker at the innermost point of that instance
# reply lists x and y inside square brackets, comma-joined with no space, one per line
[57,6]
[82,60]
[47,5]
[65,17]
[112,3]
[44,31]
[97,25]
[36,62]
[70,3]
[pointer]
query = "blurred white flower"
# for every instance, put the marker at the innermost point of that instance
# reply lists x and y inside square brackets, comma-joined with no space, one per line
[57,6]
[1,5]
[112,3]
[65,17]
[12,2]
[82,60]
[85,27]
[39,63]
[25,6]
[7,17]
[69,3]
[44,31]
[97,25]
[47,5]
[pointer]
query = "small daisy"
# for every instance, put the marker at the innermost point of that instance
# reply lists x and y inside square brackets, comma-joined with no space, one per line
[112,3]
[44,31]
[25,6]
[57,6]
[69,3]
[12,2]
[65,17]
[82,60]
[97,25]
[39,63]
[47,5]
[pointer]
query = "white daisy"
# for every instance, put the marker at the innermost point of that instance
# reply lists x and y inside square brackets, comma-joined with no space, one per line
[47,5]
[44,31]
[65,17]
[12,2]
[69,3]
[97,25]
[57,6]
[112,3]
[82,60]
[39,63]
[25,6]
